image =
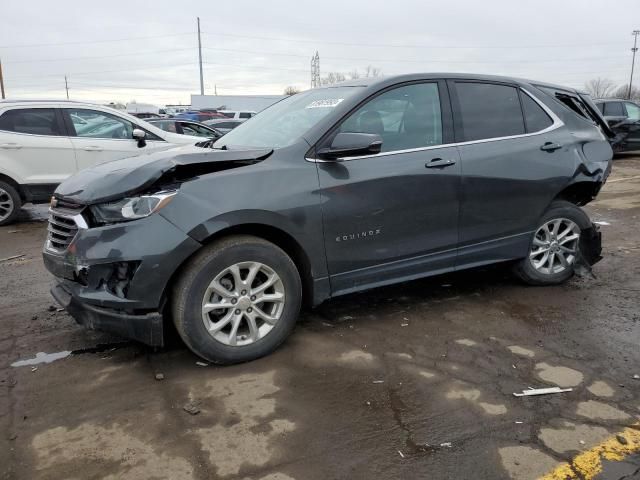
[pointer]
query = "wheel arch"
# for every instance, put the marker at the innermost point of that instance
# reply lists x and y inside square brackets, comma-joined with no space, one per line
[14,184]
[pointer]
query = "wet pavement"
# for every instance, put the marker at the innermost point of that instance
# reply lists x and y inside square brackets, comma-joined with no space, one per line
[404,382]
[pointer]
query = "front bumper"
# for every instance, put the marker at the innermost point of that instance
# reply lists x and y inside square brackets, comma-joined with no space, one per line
[114,278]
[146,328]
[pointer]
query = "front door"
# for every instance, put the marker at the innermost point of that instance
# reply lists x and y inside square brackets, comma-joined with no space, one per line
[393,215]
[102,137]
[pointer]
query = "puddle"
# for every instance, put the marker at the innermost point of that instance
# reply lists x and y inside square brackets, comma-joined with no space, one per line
[41,357]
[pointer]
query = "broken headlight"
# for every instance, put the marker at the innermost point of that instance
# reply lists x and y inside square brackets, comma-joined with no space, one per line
[131,208]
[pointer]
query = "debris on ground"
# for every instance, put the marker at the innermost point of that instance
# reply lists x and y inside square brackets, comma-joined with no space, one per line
[191,409]
[33,369]
[59,309]
[159,376]
[35,317]
[602,223]
[518,422]
[11,258]
[404,324]
[636,377]
[401,454]
[51,308]
[446,445]
[621,439]
[202,364]
[581,442]
[542,391]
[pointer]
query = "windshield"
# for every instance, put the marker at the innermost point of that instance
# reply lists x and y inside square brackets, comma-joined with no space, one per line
[285,122]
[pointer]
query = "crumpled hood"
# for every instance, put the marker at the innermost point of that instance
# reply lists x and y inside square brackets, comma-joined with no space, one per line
[115,180]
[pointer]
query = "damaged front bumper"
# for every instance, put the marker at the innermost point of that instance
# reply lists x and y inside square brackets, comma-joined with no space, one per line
[114,278]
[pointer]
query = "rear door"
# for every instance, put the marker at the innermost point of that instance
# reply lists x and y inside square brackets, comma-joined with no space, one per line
[513,161]
[393,215]
[99,137]
[34,146]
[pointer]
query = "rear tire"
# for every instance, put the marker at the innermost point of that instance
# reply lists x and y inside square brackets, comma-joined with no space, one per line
[555,245]
[257,293]
[10,203]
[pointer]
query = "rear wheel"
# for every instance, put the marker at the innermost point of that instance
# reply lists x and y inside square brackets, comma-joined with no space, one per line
[237,300]
[555,246]
[10,203]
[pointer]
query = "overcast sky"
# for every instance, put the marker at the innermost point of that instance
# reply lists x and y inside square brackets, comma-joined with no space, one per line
[147,51]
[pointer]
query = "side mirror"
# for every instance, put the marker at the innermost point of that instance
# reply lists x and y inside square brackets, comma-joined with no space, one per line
[352,145]
[139,135]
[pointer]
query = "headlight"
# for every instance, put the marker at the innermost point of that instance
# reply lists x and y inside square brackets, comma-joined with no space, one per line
[131,208]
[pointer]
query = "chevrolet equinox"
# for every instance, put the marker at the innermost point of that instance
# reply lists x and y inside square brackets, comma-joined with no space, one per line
[328,192]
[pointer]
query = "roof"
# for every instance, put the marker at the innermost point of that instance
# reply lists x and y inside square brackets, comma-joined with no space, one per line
[43,100]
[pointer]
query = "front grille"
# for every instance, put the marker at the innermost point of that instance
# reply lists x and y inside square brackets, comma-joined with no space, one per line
[62,229]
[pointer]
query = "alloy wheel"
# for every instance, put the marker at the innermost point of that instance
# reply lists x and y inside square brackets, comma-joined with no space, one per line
[6,204]
[555,246]
[243,303]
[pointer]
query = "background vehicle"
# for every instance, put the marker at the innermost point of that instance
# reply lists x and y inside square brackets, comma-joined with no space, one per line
[327,193]
[223,125]
[199,116]
[623,116]
[146,115]
[44,142]
[186,127]
[237,115]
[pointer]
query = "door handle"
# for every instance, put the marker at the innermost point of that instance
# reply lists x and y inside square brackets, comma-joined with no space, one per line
[550,147]
[93,149]
[439,163]
[11,146]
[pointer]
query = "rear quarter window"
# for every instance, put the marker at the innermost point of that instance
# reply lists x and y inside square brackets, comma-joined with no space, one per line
[614,109]
[535,118]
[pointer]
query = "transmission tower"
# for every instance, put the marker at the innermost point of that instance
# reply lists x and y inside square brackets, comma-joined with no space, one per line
[315,71]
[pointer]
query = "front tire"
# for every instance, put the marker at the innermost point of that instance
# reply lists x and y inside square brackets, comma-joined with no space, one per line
[10,203]
[555,245]
[237,300]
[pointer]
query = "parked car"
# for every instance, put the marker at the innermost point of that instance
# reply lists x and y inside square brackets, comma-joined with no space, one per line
[223,125]
[198,116]
[242,116]
[186,127]
[623,116]
[320,196]
[44,142]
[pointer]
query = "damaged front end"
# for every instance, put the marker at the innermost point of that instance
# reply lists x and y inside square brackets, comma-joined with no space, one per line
[111,256]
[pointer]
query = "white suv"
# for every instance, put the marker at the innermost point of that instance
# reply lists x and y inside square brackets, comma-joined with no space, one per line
[44,142]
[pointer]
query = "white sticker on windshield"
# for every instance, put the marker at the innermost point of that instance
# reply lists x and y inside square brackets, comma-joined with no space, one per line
[328,103]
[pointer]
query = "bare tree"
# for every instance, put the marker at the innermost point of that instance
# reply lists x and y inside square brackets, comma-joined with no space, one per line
[354,74]
[372,71]
[600,87]
[623,90]
[333,78]
[291,90]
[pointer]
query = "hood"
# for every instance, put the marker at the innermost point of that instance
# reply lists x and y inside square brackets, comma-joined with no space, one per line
[118,179]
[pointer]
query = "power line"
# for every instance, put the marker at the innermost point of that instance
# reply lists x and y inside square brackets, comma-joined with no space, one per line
[84,42]
[136,54]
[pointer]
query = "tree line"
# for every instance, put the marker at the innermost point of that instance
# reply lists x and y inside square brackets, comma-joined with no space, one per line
[605,88]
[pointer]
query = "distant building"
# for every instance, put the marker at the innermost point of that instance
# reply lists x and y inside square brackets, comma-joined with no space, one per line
[247,103]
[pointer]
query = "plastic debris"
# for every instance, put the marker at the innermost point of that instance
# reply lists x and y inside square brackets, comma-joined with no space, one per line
[159,376]
[202,364]
[636,377]
[401,454]
[378,381]
[33,369]
[404,324]
[519,422]
[542,391]
[602,223]
[621,439]
[446,445]
[191,409]
[582,442]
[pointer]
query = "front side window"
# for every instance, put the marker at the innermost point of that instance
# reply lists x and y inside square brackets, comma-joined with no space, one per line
[196,130]
[34,121]
[96,124]
[633,111]
[283,123]
[613,109]
[489,110]
[405,117]
[536,119]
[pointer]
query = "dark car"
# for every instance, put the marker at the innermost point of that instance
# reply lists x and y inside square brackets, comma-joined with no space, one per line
[199,115]
[186,127]
[328,192]
[623,116]
[145,115]
[223,125]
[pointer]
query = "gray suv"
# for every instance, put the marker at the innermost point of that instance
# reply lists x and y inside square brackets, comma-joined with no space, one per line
[328,192]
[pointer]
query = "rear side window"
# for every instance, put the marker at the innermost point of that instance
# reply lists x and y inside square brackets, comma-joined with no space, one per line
[535,117]
[489,110]
[614,109]
[245,115]
[34,121]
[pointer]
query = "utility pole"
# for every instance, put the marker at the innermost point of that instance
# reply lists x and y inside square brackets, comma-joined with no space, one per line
[1,80]
[633,61]
[315,70]
[200,57]
[66,86]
